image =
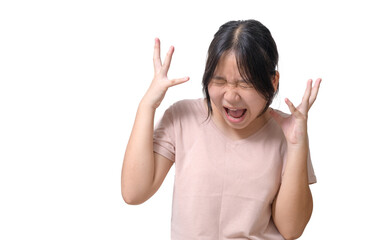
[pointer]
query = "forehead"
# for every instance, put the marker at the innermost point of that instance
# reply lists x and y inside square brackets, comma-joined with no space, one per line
[227,64]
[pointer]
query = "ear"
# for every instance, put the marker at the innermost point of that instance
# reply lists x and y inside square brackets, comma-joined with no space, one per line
[275,80]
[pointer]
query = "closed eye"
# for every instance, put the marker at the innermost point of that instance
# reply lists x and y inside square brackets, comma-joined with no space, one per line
[218,80]
[245,84]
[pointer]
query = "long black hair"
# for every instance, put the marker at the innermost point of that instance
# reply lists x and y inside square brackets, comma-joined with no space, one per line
[256,56]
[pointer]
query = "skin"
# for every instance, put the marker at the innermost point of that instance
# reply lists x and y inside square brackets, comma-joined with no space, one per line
[228,89]
[143,170]
[292,207]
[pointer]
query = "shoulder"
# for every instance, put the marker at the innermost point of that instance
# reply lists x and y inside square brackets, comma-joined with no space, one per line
[189,103]
[189,106]
[281,113]
[275,133]
[274,130]
[189,110]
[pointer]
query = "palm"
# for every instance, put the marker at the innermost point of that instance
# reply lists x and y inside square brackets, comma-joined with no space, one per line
[294,126]
[160,83]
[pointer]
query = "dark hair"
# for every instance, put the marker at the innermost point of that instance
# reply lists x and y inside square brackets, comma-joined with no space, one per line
[256,56]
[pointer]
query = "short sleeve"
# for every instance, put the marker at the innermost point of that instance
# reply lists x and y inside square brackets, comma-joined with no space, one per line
[164,137]
[311,174]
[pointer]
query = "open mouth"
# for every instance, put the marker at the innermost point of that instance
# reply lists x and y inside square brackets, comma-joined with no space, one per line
[235,115]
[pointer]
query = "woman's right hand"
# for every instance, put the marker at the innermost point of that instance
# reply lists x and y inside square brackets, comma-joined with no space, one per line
[160,84]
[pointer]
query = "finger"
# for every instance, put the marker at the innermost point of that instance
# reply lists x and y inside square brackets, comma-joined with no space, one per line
[292,108]
[177,81]
[314,92]
[157,60]
[305,98]
[167,60]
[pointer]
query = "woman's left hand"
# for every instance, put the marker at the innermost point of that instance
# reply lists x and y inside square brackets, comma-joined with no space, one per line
[294,126]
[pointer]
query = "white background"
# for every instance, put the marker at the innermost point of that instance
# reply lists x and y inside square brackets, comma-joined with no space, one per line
[72,74]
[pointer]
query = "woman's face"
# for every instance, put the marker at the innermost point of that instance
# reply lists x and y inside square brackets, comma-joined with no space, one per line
[236,105]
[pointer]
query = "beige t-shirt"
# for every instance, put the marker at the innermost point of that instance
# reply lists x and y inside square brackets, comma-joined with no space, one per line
[223,188]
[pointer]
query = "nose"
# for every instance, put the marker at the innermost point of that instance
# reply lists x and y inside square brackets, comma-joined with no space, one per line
[231,94]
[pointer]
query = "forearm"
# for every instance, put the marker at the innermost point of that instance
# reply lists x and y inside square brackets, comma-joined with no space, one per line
[138,170]
[138,164]
[293,205]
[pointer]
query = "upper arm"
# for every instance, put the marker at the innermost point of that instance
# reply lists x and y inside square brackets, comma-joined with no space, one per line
[161,169]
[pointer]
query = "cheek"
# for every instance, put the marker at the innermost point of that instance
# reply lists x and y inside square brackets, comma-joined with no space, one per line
[255,100]
[215,93]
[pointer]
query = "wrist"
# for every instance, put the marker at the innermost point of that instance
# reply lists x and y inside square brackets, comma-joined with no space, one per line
[298,149]
[146,104]
[301,139]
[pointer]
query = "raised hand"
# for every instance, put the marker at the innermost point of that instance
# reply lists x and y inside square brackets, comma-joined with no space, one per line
[294,126]
[160,84]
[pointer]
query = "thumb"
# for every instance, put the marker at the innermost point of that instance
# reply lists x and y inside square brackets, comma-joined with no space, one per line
[178,81]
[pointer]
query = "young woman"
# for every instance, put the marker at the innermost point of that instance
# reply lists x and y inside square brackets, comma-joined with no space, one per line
[242,169]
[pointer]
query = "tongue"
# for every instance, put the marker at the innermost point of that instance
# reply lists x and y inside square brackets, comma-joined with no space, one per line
[236,113]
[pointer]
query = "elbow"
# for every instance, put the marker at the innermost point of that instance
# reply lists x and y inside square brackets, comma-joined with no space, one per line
[127,195]
[133,194]
[131,199]
[133,202]
[130,202]
[292,236]
[127,198]
[293,226]
[292,232]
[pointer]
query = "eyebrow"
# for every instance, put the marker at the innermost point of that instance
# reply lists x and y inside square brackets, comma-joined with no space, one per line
[222,78]
[219,77]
